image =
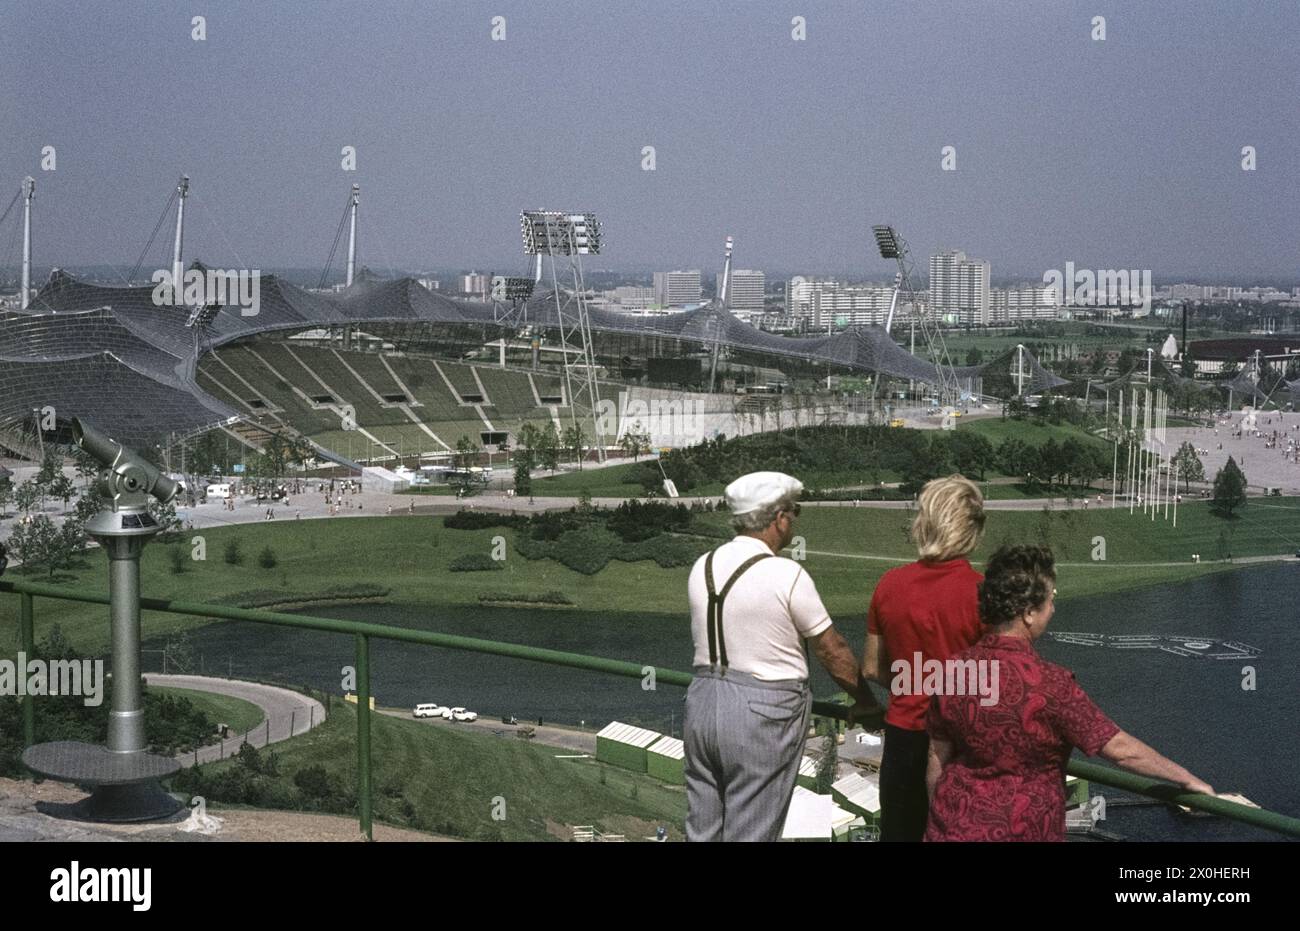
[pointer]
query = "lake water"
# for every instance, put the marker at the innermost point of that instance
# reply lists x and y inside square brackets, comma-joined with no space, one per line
[1190,707]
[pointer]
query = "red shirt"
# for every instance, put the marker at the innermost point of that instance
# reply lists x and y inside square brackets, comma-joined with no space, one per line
[931,608]
[1005,780]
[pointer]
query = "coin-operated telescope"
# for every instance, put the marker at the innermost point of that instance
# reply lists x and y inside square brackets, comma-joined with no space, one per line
[124,776]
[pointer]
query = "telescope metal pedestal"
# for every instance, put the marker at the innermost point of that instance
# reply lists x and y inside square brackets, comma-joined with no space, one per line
[124,786]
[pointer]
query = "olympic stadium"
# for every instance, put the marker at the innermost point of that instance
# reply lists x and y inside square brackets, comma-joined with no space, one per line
[388,368]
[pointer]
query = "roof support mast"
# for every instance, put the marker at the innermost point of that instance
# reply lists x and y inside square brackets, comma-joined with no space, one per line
[718,319]
[29,191]
[352,232]
[182,191]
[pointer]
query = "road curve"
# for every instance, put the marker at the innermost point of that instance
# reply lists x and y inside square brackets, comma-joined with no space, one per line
[287,713]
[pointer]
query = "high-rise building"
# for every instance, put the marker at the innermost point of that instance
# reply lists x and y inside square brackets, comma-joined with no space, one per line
[959,288]
[631,297]
[745,294]
[1031,302]
[828,304]
[475,284]
[677,287]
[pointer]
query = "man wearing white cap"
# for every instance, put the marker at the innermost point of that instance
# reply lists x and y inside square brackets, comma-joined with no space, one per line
[747,708]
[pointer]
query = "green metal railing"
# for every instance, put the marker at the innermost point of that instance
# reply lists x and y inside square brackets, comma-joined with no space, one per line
[363,632]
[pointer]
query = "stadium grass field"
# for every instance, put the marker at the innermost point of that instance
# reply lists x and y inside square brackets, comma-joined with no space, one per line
[454,777]
[847,551]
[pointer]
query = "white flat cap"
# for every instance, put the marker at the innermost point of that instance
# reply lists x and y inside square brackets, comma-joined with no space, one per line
[760,489]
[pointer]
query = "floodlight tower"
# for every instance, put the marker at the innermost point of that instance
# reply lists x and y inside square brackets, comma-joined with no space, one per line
[29,192]
[552,233]
[893,246]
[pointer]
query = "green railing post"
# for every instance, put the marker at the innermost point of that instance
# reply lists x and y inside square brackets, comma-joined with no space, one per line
[27,637]
[364,798]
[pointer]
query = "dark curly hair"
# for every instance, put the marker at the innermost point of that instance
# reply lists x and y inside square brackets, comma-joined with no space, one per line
[1017,579]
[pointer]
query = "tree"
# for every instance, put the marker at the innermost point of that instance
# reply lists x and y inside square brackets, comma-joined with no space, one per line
[526,440]
[63,489]
[1188,465]
[972,453]
[466,452]
[232,553]
[51,465]
[168,522]
[39,542]
[548,448]
[574,440]
[1052,460]
[26,496]
[974,356]
[927,460]
[523,477]
[275,453]
[87,466]
[634,441]
[6,496]
[1229,489]
[266,559]
[300,452]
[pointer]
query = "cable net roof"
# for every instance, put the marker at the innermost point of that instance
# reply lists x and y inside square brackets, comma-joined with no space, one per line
[145,355]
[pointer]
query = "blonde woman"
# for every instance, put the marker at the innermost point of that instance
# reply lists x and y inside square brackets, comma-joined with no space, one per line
[927,610]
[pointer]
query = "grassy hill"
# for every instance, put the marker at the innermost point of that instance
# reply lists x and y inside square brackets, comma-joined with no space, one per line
[449,781]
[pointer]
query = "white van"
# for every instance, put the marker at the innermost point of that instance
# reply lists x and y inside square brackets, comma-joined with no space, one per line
[428,710]
[218,491]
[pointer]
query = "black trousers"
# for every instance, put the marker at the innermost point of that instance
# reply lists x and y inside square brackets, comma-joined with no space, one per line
[904,803]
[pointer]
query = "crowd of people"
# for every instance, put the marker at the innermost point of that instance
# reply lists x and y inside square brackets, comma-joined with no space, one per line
[958,764]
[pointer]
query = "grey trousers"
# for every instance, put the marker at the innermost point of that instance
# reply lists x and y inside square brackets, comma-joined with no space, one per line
[744,741]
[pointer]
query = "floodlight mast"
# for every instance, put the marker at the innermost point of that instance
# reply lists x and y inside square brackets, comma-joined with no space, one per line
[893,246]
[550,233]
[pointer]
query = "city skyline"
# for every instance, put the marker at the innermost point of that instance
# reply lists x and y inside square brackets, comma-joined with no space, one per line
[750,140]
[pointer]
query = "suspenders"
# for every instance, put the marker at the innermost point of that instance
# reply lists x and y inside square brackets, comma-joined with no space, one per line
[713,617]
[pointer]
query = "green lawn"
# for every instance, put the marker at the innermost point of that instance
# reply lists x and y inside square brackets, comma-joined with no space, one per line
[619,481]
[454,779]
[410,555]
[1035,433]
[241,715]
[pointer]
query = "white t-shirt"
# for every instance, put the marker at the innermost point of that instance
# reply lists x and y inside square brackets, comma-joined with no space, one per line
[768,613]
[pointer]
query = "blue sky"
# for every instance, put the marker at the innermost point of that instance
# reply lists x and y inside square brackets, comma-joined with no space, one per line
[1120,153]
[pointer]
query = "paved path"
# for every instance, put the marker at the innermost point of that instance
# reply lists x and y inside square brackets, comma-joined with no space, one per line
[561,737]
[287,713]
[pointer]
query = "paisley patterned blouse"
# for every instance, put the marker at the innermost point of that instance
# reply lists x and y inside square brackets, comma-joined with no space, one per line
[1005,780]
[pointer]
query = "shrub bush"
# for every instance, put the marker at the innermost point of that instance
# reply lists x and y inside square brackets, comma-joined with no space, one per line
[482,520]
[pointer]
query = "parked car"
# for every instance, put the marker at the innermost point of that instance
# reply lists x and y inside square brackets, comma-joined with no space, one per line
[460,714]
[428,710]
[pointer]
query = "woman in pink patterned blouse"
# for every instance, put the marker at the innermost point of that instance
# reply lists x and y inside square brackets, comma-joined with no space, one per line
[998,755]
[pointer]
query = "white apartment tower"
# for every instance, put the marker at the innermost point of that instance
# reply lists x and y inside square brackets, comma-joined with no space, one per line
[745,295]
[959,288]
[677,288]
